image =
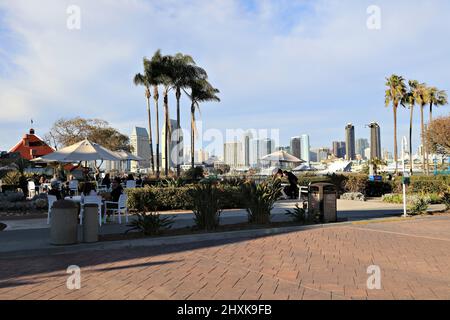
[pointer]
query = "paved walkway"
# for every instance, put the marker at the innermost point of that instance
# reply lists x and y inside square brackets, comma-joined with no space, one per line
[325,263]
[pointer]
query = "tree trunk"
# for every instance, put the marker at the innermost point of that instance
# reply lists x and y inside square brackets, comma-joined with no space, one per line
[167,135]
[426,148]
[411,160]
[395,140]
[156,98]
[150,136]
[192,135]
[178,96]
[422,132]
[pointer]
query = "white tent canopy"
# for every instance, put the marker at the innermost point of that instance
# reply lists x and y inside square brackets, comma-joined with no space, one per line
[81,151]
[126,156]
[281,156]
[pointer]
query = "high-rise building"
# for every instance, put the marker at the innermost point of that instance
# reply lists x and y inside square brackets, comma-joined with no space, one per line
[361,146]
[175,152]
[339,149]
[305,149]
[296,147]
[247,149]
[375,141]
[233,154]
[320,154]
[141,147]
[350,153]
[260,149]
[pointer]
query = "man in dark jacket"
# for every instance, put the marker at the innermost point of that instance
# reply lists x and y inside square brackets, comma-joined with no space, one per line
[292,189]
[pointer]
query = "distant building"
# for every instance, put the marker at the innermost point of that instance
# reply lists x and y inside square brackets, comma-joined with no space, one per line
[174,154]
[339,149]
[320,154]
[367,153]
[260,149]
[361,146]
[350,152]
[305,149]
[233,154]
[31,146]
[375,141]
[247,149]
[140,144]
[296,147]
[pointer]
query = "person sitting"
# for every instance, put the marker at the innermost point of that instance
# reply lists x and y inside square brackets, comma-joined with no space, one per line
[117,190]
[139,180]
[54,191]
[106,181]
[130,177]
[89,190]
[292,189]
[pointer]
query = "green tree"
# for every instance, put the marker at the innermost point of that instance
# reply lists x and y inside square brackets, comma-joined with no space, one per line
[396,90]
[422,99]
[184,71]
[438,136]
[200,91]
[437,98]
[145,80]
[409,99]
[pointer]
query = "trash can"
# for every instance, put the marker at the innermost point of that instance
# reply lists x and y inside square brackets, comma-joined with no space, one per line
[90,223]
[64,223]
[323,199]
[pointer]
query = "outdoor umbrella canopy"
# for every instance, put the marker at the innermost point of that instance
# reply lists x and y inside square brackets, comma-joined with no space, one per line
[82,151]
[281,156]
[126,156]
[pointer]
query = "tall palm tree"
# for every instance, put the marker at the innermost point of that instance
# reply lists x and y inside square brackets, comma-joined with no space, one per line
[410,99]
[396,90]
[144,80]
[422,98]
[184,71]
[201,91]
[437,98]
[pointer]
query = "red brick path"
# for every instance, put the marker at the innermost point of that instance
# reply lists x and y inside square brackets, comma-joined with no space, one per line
[329,263]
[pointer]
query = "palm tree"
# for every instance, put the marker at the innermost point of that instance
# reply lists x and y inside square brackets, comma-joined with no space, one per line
[144,80]
[201,91]
[437,98]
[410,99]
[396,90]
[184,71]
[422,98]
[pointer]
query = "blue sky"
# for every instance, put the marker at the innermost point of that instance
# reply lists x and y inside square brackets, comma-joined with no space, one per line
[298,66]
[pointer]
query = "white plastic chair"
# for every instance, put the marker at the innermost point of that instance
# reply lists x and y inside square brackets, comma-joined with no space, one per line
[91,200]
[102,188]
[51,200]
[130,184]
[121,206]
[31,189]
[73,186]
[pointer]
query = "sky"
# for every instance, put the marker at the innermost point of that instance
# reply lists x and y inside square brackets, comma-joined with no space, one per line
[300,66]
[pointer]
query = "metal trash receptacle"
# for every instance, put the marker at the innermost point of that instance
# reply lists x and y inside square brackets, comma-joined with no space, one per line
[64,223]
[90,223]
[323,199]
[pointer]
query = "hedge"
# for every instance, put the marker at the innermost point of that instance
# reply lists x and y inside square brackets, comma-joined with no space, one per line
[178,198]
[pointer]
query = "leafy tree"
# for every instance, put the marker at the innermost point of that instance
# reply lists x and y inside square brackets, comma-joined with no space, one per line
[436,98]
[66,132]
[410,99]
[438,136]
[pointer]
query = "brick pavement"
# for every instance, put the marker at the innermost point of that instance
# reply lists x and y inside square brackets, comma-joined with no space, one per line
[329,263]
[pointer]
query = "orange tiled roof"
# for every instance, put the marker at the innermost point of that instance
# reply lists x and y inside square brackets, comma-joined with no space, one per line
[31,147]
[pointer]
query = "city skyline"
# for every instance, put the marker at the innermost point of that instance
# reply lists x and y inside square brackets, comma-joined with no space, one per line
[65,76]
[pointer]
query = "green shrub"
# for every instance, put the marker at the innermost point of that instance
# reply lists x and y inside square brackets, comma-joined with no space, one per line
[418,206]
[446,200]
[150,223]
[206,205]
[171,198]
[298,214]
[259,199]
[356,183]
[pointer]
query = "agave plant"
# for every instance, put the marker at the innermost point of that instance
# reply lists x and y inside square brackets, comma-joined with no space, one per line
[298,214]
[150,223]
[206,205]
[260,199]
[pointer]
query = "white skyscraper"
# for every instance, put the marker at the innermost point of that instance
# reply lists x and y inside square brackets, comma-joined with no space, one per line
[172,151]
[141,147]
[305,148]
[233,154]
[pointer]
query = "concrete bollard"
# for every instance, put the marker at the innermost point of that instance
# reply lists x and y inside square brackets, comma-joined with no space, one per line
[64,223]
[90,223]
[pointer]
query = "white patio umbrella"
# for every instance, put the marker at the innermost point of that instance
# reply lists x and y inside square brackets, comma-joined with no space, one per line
[281,156]
[82,151]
